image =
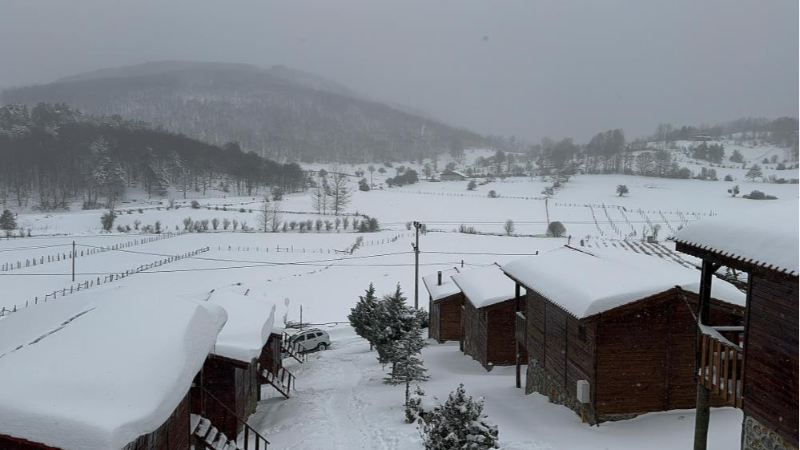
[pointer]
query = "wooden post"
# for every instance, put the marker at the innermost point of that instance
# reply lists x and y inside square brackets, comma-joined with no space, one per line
[516,338]
[703,393]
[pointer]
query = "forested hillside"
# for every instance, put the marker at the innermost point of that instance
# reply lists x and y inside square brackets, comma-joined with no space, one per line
[280,113]
[52,155]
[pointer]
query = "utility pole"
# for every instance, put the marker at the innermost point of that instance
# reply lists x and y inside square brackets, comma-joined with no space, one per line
[73,261]
[417,226]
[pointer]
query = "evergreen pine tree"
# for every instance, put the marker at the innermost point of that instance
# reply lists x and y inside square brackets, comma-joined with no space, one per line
[394,319]
[458,424]
[7,222]
[406,365]
[414,409]
[363,317]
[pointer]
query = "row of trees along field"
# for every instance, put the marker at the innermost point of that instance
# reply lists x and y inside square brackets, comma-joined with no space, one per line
[53,154]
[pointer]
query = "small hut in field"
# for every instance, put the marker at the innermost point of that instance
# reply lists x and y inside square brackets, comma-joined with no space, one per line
[444,306]
[611,334]
[758,375]
[101,372]
[488,311]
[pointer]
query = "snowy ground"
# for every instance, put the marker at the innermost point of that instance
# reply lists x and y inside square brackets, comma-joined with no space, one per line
[341,403]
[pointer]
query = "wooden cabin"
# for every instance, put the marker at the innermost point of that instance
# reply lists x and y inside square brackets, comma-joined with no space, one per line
[452,175]
[488,311]
[247,354]
[611,335]
[444,306]
[96,372]
[760,374]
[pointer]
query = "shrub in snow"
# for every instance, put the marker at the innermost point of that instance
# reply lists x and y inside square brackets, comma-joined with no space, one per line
[734,191]
[414,406]
[556,229]
[493,194]
[467,230]
[235,224]
[471,185]
[225,223]
[158,226]
[204,223]
[120,228]
[187,224]
[458,424]
[195,204]
[107,220]
[136,224]
[728,177]
[318,225]
[758,195]
[345,222]
[215,223]
[622,190]
[754,172]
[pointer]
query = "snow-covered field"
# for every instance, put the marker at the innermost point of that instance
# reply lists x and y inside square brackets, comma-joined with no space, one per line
[341,402]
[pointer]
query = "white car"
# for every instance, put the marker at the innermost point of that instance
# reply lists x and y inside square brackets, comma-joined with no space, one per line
[311,339]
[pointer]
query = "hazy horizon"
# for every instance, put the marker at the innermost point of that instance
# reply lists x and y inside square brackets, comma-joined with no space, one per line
[530,69]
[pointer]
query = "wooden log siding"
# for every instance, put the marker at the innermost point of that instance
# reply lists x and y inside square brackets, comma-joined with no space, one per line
[236,385]
[488,333]
[771,353]
[270,358]
[171,435]
[445,318]
[770,342]
[637,358]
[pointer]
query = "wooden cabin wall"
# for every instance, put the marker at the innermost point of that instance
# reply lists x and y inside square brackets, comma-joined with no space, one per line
[560,352]
[501,344]
[234,384]
[473,337]
[771,354]
[270,358]
[646,354]
[433,319]
[450,318]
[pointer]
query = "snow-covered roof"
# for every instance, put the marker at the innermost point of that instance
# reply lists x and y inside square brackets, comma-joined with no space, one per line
[585,284]
[250,322]
[96,371]
[446,289]
[454,172]
[485,286]
[769,241]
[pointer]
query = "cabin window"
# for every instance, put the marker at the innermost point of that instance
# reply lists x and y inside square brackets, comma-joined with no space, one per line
[582,333]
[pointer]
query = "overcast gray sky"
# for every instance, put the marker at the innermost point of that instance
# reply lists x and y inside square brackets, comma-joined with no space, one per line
[527,68]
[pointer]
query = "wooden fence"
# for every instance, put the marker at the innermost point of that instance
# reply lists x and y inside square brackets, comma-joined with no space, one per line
[61,256]
[88,284]
[721,368]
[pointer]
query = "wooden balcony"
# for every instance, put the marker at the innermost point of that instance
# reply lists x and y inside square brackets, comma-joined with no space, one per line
[721,369]
[521,329]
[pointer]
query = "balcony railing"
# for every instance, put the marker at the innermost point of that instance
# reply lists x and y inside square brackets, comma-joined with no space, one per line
[721,369]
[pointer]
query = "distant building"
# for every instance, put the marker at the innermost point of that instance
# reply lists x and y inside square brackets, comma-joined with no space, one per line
[760,374]
[452,175]
[444,306]
[611,335]
[702,138]
[488,313]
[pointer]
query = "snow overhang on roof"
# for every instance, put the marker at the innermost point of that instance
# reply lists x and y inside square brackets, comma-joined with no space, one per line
[97,371]
[250,322]
[585,284]
[768,241]
[446,289]
[486,286]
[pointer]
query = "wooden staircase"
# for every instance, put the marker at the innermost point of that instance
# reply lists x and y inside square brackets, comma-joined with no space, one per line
[205,434]
[282,382]
[292,350]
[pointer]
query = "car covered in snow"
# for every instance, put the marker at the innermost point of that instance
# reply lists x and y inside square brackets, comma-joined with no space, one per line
[311,340]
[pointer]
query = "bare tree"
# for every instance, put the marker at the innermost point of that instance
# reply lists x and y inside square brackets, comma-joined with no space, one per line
[340,194]
[264,215]
[275,216]
[509,227]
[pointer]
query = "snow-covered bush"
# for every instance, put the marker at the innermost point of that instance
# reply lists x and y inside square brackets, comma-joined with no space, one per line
[556,229]
[415,410]
[458,424]
[195,204]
